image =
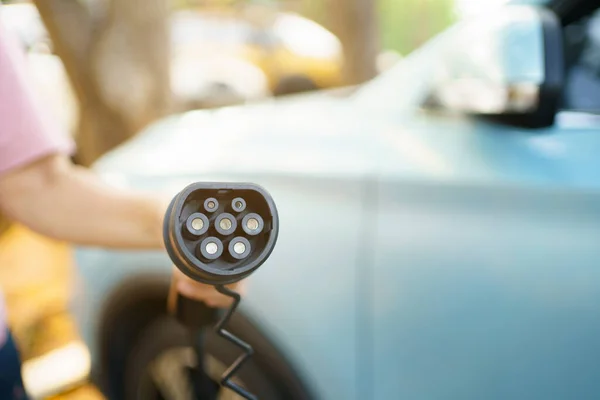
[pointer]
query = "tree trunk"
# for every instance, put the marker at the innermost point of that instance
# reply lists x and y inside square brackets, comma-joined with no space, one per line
[355,23]
[118,61]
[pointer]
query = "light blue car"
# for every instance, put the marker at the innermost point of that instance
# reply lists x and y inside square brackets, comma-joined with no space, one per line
[439,228]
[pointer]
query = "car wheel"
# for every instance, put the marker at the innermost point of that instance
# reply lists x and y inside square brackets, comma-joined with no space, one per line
[294,84]
[156,368]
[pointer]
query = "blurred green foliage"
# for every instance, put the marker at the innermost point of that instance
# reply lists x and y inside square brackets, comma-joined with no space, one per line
[406,24]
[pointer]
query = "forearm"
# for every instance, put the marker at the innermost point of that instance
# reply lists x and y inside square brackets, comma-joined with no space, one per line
[70,203]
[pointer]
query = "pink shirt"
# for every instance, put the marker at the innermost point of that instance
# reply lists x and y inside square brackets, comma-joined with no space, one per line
[26,131]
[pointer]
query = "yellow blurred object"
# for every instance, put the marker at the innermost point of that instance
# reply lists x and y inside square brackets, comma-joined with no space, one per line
[294,53]
[35,278]
[86,392]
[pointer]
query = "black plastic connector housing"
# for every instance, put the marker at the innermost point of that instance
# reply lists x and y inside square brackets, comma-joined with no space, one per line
[183,245]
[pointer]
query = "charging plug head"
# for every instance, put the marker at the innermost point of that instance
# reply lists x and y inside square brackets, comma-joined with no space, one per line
[219,233]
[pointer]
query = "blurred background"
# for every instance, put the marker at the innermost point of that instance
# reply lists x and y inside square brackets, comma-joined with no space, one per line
[180,55]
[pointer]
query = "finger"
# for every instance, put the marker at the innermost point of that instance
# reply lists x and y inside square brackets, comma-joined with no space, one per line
[205,293]
[189,285]
[239,286]
[194,290]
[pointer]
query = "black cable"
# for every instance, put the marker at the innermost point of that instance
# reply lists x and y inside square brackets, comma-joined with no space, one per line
[204,387]
[248,351]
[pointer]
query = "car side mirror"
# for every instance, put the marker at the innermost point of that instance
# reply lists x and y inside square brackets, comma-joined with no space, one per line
[508,63]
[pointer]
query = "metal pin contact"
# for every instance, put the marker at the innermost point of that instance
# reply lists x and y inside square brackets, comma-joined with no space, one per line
[238,204]
[225,224]
[210,248]
[196,224]
[211,204]
[239,248]
[252,224]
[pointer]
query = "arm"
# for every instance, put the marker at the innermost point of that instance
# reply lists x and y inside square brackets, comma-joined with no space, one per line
[42,189]
[66,202]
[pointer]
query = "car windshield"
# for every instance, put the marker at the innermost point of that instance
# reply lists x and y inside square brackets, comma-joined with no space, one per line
[406,84]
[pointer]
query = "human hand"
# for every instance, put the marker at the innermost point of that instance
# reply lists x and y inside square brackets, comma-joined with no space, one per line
[206,293]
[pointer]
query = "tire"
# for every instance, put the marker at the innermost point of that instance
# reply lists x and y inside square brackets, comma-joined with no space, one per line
[294,84]
[168,344]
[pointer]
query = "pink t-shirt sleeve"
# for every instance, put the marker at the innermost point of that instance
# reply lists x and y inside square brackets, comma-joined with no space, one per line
[26,130]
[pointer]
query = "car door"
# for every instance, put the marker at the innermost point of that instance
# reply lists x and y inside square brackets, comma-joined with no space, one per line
[305,296]
[486,276]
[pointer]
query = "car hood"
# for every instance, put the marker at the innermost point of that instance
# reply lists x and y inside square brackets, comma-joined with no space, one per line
[307,134]
[326,137]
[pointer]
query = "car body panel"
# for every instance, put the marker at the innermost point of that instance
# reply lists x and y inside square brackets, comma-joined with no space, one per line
[456,173]
[485,292]
[421,254]
[327,140]
[305,206]
[462,149]
[308,201]
[409,145]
